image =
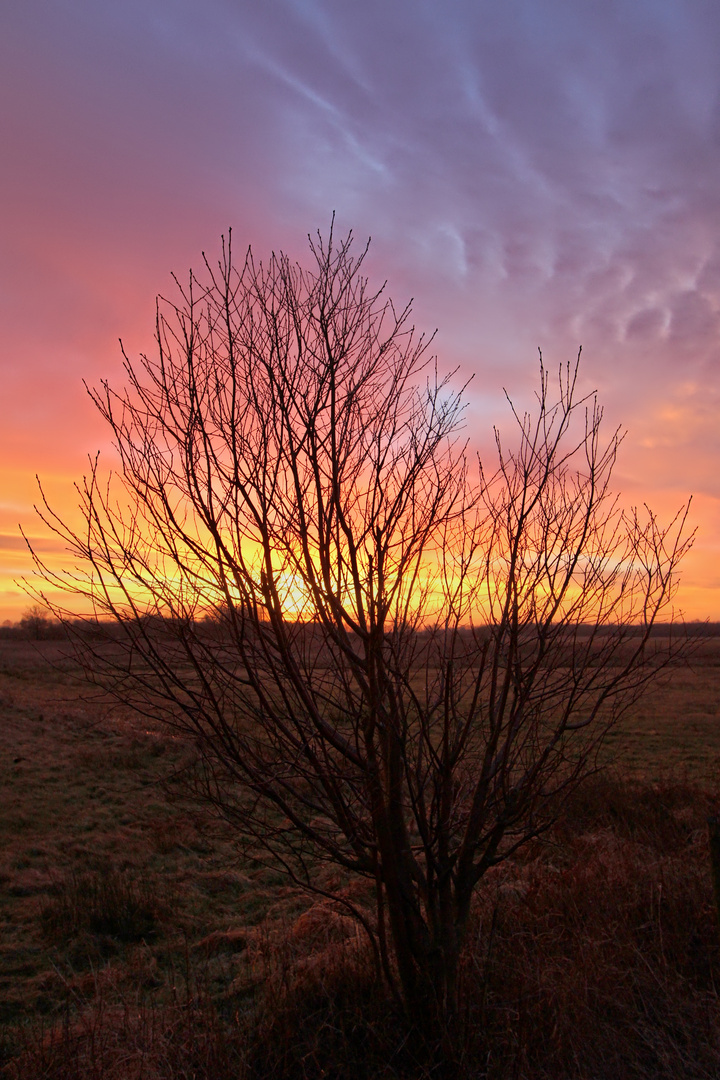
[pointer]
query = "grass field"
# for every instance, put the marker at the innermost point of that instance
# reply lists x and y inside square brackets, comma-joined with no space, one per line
[675,728]
[137,942]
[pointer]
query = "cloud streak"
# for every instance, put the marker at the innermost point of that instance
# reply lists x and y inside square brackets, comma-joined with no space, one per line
[532,174]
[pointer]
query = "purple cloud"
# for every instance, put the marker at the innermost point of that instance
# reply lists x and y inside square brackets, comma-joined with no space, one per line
[533,174]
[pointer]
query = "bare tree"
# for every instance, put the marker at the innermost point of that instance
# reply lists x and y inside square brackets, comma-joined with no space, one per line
[35,622]
[389,659]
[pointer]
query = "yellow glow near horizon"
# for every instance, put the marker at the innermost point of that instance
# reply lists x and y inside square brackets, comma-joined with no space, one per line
[698,597]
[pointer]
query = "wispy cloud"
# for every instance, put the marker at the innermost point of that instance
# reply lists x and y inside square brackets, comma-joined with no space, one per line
[40,544]
[534,174]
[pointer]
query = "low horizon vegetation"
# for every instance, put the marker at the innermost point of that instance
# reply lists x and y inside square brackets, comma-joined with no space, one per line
[39,623]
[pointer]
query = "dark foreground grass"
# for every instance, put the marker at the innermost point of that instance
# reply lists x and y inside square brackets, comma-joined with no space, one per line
[596,956]
[137,944]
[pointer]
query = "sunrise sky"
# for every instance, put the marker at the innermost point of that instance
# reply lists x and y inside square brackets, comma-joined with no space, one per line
[533,174]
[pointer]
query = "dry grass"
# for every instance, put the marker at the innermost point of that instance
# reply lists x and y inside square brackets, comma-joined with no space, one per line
[675,729]
[137,943]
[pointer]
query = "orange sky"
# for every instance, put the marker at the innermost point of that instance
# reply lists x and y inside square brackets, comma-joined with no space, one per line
[531,177]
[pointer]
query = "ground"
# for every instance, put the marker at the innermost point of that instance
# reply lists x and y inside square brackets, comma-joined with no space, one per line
[124,909]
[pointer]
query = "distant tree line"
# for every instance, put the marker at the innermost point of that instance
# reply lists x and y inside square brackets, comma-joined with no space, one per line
[37,624]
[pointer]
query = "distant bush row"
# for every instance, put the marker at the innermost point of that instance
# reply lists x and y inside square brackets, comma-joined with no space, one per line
[38,625]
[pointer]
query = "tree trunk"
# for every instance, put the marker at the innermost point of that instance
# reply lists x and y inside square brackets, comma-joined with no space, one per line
[428,970]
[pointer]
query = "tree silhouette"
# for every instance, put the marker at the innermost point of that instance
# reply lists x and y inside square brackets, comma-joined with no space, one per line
[35,622]
[390,660]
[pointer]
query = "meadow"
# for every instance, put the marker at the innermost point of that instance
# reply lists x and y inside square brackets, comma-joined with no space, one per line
[138,940]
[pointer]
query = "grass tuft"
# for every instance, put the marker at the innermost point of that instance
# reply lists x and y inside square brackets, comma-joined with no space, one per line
[110,903]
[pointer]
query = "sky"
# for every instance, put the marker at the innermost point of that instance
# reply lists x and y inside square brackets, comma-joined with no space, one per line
[534,175]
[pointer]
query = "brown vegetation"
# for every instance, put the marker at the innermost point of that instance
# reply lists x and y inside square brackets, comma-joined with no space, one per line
[137,941]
